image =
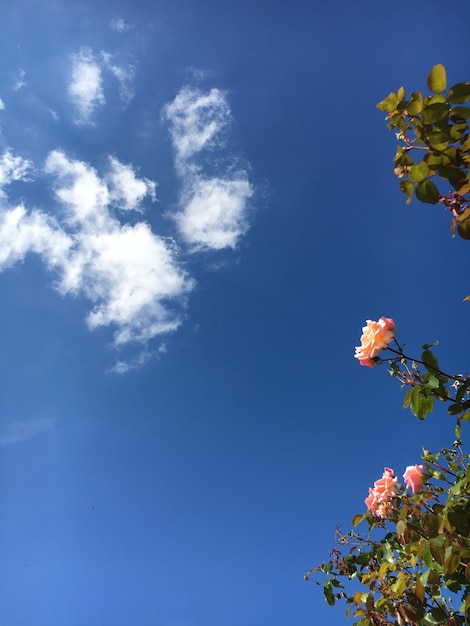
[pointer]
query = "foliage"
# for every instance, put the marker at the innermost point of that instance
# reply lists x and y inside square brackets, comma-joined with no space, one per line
[411,566]
[427,383]
[434,142]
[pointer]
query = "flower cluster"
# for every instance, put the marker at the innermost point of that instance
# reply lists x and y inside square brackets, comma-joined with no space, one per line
[380,498]
[375,337]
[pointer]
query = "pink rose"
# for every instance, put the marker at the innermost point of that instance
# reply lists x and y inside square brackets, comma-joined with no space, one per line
[413,477]
[379,500]
[385,486]
[375,337]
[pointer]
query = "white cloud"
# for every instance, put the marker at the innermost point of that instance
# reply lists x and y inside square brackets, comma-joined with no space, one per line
[119,25]
[85,87]
[214,214]
[22,232]
[2,105]
[196,122]
[128,272]
[131,276]
[126,191]
[84,196]
[213,209]
[13,168]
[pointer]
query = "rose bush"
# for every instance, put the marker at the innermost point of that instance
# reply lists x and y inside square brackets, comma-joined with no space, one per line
[412,563]
[411,566]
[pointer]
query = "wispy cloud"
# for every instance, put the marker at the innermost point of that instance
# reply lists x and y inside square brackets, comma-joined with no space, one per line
[119,25]
[2,105]
[85,88]
[19,80]
[197,122]
[123,74]
[13,168]
[213,208]
[16,431]
[135,363]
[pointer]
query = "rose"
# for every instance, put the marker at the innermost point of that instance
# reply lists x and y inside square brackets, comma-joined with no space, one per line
[414,478]
[375,337]
[379,499]
[384,488]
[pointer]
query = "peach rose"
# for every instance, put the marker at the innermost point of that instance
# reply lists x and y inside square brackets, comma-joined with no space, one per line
[375,337]
[414,478]
[380,497]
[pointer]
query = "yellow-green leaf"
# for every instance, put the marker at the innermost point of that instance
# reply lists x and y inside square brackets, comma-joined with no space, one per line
[418,172]
[437,79]
[389,104]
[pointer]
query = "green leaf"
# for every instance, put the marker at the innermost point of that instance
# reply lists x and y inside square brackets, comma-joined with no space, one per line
[426,191]
[415,105]
[357,519]
[452,173]
[407,188]
[461,391]
[454,409]
[418,172]
[437,80]
[437,139]
[433,382]
[434,161]
[407,400]
[421,405]
[463,228]
[461,113]
[389,104]
[328,591]
[435,112]
[459,93]
[429,360]
[427,558]
[457,130]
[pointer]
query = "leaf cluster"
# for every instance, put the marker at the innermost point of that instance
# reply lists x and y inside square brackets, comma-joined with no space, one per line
[427,383]
[434,143]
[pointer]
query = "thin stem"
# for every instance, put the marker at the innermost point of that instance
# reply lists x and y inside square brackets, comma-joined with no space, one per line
[403,356]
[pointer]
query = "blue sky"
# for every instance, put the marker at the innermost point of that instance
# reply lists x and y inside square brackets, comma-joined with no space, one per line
[198,214]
